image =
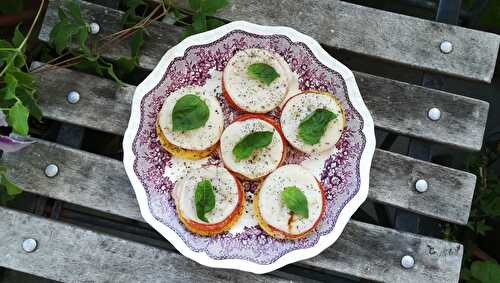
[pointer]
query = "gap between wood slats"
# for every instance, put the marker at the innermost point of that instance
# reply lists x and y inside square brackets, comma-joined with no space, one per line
[82,175]
[393,37]
[396,106]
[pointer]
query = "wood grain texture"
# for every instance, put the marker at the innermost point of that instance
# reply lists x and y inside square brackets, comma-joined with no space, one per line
[396,106]
[85,178]
[402,108]
[376,33]
[68,253]
[363,250]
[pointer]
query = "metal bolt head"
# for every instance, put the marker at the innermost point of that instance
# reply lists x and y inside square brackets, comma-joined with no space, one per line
[407,261]
[73,97]
[29,245]
[51,170]
[94,28]
[446,47]
[434,114]
[421,185]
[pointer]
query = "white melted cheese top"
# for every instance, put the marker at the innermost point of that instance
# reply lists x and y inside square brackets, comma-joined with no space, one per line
[298,108]
[262,161]
[196,139]
[250,94]
[224,186]
[274,211]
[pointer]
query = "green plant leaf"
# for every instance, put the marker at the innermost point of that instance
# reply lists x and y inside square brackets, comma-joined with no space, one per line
[214,23]
[18,37]
[9,91]
[74,11]
[190,112]
[246,146]
[204,199]
[209,7]
[485,271]
[11,188]
[136,42]
[491,206]
[187,32]
[195,4]
[125,66]
[262,72]
[482,227]
[199,23]
[61,34]
[11,6]
[28,99]
[313,127]
[295,200]
[18,118]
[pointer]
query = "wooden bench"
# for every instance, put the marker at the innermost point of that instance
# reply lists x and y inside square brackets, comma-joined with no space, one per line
[363,250]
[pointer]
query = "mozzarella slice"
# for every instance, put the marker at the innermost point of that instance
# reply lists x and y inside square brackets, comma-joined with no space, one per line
[299,107]
[262,161]
[249,94]
[197,139]
[225,188]
[275,213]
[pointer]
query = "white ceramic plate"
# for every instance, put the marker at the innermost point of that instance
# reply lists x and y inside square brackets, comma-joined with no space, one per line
[343,171]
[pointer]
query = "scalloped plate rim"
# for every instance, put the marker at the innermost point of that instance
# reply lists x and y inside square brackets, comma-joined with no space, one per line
[354,96]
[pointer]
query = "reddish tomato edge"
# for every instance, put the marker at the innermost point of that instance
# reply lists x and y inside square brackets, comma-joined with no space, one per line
[273,123]
[292,236]
[220,225]
[228,98]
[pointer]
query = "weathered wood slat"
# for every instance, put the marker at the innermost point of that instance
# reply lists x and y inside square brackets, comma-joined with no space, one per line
[396,106]
[68,253]
[376,33]
[363,250]
[83,176]
[463,120]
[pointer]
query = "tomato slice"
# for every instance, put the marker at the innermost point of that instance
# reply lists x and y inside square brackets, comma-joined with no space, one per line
[296,236]
[273,123]
[222,225]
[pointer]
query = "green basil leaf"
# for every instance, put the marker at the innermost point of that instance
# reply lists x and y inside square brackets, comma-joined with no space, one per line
[312,128]
[244,148]
[204,199]
[11,188]
[190,112]
[18,118]
[262,72]
[295,200]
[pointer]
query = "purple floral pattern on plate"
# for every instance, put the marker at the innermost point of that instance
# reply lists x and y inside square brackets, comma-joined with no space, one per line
[340,173]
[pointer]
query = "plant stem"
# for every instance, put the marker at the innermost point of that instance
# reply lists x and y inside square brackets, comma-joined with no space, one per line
[32,25]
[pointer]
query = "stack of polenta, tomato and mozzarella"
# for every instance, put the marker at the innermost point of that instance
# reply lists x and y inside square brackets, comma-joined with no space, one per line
[289,201]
